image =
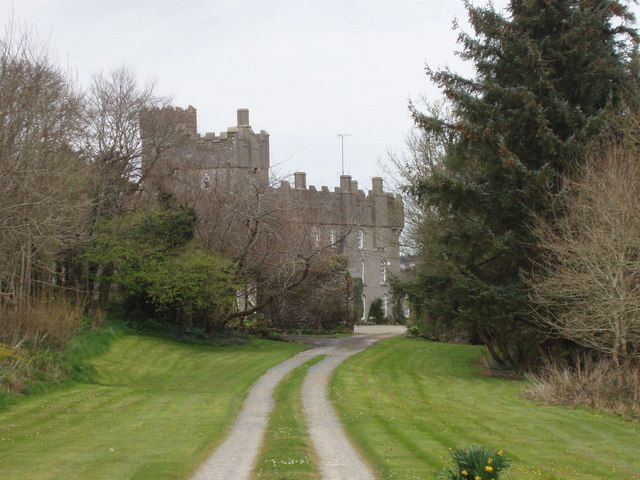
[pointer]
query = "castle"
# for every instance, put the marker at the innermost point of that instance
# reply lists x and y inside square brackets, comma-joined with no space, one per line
[364,227]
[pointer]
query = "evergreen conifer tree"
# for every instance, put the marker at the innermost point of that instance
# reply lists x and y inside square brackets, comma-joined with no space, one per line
[551,76]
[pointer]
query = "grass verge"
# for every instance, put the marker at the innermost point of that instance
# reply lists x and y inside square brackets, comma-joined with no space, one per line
[28,371]
[286,450]
[155,410]
[406,403]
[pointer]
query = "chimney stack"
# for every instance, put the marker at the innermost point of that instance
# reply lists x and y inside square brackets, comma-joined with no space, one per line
[376,186]
[243,117]
[300,180]
[345,183]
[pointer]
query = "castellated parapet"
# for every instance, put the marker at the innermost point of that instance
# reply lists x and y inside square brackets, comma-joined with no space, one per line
[365,227]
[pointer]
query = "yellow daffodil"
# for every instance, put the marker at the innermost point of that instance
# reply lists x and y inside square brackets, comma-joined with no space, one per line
[500,452]
[490,461]
[488,468]
[464,473]
[478,477]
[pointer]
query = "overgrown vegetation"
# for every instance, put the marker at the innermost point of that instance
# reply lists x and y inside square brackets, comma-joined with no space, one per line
[27,369]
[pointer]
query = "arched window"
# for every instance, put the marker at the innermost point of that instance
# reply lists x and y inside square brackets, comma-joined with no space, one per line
[385,305]
[332,238]
[206,181]
[363,270]
[364,308]
[315,237]
[383,270]
[360,239]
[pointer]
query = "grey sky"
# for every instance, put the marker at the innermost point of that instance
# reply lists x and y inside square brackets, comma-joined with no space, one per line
[305,69]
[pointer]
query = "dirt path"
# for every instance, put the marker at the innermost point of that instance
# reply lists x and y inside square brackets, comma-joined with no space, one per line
[235,459]
[338,459]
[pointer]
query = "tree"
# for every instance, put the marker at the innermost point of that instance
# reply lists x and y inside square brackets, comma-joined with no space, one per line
[43,201]
[588,287]
[159,271]
[550,76]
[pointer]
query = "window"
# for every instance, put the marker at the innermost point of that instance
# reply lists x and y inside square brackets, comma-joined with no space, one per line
[364,308]
[363,271]
[206,181]
[315,236]
[360,239]
[385,305]
[332,238]
[383,270]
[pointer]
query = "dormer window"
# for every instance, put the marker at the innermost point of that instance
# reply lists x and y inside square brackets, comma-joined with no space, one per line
[206,181]
[360,239]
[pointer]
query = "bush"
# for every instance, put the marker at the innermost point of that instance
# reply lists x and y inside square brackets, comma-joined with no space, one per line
[376,314]
[598,384]
[160,274]
[476,463]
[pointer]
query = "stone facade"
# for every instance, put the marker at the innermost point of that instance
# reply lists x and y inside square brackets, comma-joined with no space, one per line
[365,227]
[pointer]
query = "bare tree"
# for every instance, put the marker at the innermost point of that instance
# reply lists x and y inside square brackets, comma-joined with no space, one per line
[271,234]
[588,287]
[112,142]
[42,179]
[406,171]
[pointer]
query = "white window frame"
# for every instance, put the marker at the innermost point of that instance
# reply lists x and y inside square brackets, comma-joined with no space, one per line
[363,271]
[384,271]
[332,238]
[364,307]
[206,181]
[360,239]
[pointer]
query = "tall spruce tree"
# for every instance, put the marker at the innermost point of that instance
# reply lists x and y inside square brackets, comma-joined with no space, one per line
[551,75]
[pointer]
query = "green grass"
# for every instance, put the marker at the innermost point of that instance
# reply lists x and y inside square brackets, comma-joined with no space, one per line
[287,451]
[41,370]
[156,410]
[407,402]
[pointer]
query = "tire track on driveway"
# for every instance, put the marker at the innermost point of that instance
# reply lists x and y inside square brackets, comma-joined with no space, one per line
[236,457]
[338,459]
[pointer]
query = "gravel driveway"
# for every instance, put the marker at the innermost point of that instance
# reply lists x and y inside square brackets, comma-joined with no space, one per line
[236,458]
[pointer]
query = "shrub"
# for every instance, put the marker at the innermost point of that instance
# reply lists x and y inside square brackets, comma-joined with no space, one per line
[376,314]
[476,463]
[160,274]
[598,384]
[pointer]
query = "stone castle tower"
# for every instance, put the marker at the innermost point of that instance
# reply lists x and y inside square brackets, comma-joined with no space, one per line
[364,227]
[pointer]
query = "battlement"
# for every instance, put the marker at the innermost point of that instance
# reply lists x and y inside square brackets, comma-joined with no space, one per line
[245,153]
[238,148]
[347,204]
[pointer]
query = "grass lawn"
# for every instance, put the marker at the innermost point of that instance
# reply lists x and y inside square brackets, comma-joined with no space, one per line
[156,410]
[287,451]
[407,402]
